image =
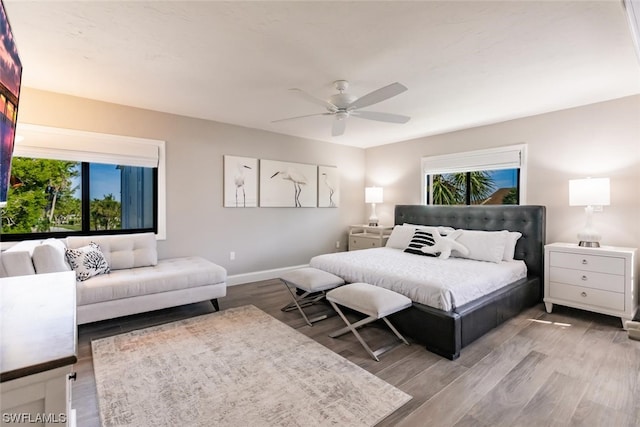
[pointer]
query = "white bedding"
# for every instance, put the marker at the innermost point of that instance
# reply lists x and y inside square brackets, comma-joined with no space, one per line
[438,283]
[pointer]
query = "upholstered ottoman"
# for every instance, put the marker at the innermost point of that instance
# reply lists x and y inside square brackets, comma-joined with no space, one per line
[375,302]
[314,283]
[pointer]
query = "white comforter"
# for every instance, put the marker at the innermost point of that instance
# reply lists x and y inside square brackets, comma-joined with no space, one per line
[442,284]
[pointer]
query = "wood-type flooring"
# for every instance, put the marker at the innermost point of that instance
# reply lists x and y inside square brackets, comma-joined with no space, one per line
[567,368]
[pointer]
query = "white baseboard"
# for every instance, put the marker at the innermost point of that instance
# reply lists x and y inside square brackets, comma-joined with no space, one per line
[256,276]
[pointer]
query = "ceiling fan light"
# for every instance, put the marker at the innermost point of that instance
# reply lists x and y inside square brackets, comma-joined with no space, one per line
[341,100]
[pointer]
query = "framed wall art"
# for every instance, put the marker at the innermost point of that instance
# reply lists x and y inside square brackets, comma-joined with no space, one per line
[286,184]
[240,182]
[328,187]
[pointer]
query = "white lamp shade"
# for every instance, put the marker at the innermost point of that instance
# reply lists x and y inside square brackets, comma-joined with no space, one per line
[373,195]
[589,192]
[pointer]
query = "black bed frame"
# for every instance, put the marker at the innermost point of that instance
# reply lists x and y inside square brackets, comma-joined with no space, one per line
[447,332]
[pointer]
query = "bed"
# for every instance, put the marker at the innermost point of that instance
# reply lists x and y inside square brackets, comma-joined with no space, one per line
[461,317]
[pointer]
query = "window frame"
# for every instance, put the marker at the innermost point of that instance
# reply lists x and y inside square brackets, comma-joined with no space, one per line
[507,157]
[45,142]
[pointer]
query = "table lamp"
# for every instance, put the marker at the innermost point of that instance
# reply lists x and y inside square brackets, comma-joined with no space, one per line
[589,192]
[373,195]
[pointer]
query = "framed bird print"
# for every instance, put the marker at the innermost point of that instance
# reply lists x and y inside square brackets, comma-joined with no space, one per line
[240,182]
[286,184]
[328,187]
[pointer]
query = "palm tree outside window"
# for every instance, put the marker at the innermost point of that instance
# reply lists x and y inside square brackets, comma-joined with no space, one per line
[494,176]
[474,188]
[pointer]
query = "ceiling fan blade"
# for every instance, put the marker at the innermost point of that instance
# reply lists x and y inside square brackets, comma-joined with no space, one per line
[339,125]
[381,117]
[311,98]
[300,117]
[377,96]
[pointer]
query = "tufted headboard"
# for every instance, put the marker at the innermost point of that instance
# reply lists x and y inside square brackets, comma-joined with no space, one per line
[528,220]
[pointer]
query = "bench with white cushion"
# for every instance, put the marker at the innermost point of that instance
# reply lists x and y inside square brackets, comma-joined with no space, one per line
[314,283]
[375,302]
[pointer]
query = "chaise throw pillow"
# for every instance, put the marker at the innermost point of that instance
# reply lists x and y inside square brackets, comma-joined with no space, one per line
[87,261]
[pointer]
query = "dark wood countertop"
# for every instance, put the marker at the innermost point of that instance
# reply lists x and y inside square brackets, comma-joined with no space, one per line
[38,330]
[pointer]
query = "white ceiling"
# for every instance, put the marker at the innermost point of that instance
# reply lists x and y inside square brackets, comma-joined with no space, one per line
[465,63]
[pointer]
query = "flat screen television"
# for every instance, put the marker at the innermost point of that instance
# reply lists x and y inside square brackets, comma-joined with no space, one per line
[10,78]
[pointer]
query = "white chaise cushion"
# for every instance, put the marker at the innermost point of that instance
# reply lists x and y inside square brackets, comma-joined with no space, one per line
[311,279]
[122,251]
[17,263]
[49,257]
[369,299]
[168,275]
[17,259]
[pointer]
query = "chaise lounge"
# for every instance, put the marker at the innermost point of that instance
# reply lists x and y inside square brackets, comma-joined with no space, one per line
[134,280]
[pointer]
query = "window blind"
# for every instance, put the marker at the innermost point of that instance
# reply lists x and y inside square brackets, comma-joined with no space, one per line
[65,144]
[493,159]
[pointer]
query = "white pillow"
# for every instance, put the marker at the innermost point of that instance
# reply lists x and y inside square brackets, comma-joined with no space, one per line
[483,245]
[49,257]
[510,246]
[441,228]
[87,261]
[400,236]
[444,245]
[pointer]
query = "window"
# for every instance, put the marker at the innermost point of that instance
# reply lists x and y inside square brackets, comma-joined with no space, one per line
[493,176]
[69,182]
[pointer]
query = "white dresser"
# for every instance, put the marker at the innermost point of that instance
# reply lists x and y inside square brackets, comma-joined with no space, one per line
[38,347]
[366,237]
[601,279]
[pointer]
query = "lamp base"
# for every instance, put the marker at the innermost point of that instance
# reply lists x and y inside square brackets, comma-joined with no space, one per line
[587,244]
[589,236]
[373,219]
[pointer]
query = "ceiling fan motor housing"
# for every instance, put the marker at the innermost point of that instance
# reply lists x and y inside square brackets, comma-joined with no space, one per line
[342,99]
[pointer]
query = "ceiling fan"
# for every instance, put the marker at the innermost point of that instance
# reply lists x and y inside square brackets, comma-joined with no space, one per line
[343,105]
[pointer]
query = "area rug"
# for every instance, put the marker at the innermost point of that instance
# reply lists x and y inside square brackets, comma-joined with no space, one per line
[238,367]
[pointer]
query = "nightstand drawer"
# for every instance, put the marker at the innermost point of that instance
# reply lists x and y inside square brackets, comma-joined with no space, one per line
[601,264]
[588,279]
[363,243]
[367,237]
[587,296]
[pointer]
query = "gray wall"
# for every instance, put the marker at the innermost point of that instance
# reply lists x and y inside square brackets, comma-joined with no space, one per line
[197,224]
[596,140]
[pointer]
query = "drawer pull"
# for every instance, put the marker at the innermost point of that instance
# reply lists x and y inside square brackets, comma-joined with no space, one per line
[583,294]
[585,278]
[584,262]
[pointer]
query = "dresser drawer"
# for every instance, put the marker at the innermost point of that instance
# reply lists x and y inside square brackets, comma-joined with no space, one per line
[587,279]
[601,264]
[587,296]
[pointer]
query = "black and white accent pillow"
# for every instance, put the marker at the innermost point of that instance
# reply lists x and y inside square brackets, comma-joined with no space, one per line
[421,238]
[87,261]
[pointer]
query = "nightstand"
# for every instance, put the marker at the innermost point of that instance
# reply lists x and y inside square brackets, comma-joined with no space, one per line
[366,237]
[601,279]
